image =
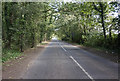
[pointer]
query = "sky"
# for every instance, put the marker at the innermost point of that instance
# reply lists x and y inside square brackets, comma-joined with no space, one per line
[67,0]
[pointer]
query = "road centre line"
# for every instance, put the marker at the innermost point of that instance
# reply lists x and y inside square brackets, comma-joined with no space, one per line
[78,64]
[82,68]
[62,47]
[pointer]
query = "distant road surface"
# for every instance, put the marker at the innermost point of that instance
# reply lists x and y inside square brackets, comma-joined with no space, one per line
[61,60]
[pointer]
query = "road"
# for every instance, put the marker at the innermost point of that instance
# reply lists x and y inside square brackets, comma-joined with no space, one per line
[61,60]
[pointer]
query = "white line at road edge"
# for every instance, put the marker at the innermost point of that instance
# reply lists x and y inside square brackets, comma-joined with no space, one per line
[82,68]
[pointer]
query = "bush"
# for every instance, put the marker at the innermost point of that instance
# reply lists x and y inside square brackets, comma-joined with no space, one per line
[101,42]
[8,54]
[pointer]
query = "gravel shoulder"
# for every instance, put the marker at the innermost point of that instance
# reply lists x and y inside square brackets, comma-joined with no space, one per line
[14,68]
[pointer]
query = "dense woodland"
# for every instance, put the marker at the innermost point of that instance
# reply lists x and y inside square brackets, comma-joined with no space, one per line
[90,24]
[26,24]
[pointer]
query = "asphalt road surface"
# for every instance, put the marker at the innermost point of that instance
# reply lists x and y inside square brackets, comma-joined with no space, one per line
[61,60]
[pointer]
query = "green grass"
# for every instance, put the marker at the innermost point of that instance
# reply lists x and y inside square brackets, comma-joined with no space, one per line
[103,48]
[43,43]
[117,51]
[8,54]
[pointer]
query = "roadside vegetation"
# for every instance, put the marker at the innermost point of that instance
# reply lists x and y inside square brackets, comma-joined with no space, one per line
[91,24]
[26,24]
[9,54]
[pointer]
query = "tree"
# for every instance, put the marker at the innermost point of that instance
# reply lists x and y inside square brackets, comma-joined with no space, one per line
[102,9]
[25,24]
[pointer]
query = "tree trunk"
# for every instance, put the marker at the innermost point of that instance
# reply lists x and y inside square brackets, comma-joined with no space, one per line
[102,18]
[110,36]
[84,30]
[21,43]
[104,30]
[33,39]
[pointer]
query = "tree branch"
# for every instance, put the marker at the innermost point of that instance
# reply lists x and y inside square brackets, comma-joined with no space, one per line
[96,7]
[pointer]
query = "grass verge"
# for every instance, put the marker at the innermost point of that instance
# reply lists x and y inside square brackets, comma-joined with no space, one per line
[9,54]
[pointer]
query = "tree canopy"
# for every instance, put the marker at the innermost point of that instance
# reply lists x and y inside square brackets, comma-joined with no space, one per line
[25,24]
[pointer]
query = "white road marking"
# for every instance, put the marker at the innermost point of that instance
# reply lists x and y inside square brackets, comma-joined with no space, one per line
[78,64]
[62,47]
[82,68]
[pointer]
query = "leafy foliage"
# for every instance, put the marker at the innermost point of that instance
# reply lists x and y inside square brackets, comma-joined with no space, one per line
[10,54]
[89,23]
[25,24]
